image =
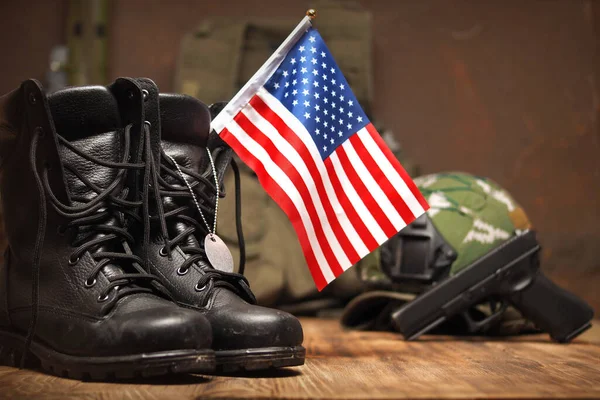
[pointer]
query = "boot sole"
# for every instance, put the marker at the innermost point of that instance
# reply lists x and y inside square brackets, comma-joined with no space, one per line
[259,358]
[103,368]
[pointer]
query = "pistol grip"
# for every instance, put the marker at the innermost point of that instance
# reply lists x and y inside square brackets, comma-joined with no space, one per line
[553,309]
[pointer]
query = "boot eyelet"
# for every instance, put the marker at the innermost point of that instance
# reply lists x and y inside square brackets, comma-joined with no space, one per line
[145,94]
[32,98]
[182,272]
[73,261]
[163,251]
[102,299]
[90,283]
[200,288]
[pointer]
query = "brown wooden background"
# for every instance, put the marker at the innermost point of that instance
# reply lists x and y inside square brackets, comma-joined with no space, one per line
[505,89]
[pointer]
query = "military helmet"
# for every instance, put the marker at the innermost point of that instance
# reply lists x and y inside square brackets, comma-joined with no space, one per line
[469,216]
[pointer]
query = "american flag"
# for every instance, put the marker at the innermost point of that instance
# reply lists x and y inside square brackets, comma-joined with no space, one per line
[298,125]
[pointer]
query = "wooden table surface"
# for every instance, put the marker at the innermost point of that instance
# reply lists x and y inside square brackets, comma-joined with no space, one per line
[366,365]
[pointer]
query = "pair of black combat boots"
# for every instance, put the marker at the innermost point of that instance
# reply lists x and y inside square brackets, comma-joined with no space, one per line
[108,195]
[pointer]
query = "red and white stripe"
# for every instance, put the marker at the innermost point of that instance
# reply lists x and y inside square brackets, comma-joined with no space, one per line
[341,208]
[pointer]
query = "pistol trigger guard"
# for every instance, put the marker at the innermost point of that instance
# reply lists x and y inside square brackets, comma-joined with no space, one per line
[494,305]
[483,325]
[470,322]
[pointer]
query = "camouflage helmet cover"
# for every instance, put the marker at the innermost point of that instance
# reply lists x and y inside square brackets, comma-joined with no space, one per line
[474,215]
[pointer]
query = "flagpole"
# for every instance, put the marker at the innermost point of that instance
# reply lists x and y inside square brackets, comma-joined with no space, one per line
[262,75]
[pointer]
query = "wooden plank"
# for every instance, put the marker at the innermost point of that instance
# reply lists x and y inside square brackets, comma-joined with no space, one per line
[368,365]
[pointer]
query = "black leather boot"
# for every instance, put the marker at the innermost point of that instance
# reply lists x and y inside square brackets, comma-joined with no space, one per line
[73,296]
[245,336]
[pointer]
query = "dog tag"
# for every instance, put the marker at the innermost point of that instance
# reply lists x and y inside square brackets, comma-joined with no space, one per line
[218,253]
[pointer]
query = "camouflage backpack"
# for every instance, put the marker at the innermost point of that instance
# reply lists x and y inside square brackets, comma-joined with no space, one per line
[472,216]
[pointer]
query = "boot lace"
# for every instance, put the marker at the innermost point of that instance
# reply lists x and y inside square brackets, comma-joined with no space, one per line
[96,222]
[205,192]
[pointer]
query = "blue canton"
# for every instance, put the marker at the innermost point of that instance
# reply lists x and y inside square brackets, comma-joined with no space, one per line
[311,86]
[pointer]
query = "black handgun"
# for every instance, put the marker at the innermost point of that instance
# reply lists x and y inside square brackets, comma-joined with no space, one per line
[510,274]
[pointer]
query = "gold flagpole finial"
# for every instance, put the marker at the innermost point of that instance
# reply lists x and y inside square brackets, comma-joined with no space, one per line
[311,13]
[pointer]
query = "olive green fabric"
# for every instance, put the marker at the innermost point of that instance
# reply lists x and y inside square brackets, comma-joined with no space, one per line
[222,53]
[209,59]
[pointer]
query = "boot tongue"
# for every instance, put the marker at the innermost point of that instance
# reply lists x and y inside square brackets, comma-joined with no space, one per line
[185,123]
[184,120]
[88,118]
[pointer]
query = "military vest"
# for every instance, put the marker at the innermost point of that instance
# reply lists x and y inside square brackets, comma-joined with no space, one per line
[222,53]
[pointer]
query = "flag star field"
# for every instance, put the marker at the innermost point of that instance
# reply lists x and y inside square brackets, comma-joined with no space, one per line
[311,86]
[299,127]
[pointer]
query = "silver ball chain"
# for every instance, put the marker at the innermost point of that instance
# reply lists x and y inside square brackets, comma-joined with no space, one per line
[214,171]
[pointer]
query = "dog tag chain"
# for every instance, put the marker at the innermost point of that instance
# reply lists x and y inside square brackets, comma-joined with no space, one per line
[216,250]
